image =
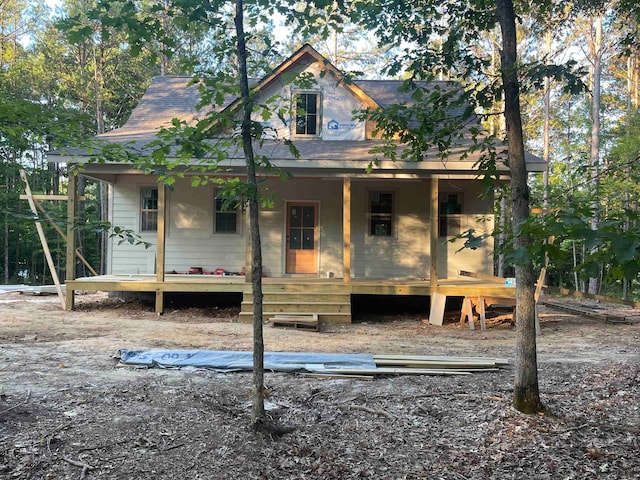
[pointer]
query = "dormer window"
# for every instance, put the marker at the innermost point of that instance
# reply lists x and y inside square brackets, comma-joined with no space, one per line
[307,113]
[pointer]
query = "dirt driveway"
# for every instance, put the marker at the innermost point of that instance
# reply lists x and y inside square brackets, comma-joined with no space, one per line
[66,411]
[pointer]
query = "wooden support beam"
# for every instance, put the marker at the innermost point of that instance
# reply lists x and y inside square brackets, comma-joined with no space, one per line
[72,209]
[346,230]
[37,196]
[43,239]
[161,243]
[433,234]
[63,236]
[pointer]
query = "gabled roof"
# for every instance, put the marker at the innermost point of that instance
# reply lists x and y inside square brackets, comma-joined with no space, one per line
[308,53]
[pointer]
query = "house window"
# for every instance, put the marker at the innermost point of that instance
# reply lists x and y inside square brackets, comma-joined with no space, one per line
[450,212]
[149,209]
[381,214]
[226,216]
[307,113]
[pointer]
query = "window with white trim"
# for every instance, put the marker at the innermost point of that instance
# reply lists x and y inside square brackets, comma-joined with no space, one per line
[307,105]
[381,214]
[149,209]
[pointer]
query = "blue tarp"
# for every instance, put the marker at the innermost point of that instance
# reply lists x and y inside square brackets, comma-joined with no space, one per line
[228,361]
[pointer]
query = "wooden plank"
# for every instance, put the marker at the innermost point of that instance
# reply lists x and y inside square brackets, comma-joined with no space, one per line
[63,235]
[438,302]
[37,196]
[589,313]
[496,361]
[393,371]
[437,363]
[43,240]
[475,290]
[346,230]
[481,276]
[602,298]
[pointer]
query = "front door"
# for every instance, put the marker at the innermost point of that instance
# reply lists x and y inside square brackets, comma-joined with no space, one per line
[302,238]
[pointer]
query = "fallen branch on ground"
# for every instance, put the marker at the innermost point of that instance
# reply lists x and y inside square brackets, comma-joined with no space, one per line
[374,411]
[26,399]
[85,467]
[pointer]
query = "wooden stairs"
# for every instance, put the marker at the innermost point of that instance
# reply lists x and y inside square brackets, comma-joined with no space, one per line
[330,302]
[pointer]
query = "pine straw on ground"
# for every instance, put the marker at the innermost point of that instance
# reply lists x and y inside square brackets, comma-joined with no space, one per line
[155,424]
[66,411]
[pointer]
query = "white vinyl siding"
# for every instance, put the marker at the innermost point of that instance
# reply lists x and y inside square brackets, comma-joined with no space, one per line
[190,240]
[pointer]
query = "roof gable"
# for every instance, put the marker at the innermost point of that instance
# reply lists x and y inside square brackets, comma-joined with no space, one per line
[306,53]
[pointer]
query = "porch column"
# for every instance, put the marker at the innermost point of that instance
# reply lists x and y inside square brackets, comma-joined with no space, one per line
[72,208]
[160,251]
[433,233]
[438,300]
[346,230]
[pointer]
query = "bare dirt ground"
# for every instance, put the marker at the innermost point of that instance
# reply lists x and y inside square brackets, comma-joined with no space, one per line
[67,411]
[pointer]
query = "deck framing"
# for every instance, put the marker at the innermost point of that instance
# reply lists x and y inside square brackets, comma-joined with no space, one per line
[461,287]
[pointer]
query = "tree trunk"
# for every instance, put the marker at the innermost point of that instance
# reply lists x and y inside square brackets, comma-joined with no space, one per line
[526,397]
[257,412]
[547,120]
[594,157]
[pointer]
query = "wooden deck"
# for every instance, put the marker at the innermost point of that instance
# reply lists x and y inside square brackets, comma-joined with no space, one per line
[459,287]
[329,298]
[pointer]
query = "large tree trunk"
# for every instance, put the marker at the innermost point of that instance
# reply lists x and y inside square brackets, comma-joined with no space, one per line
[594,157]
[526,397]
[257,411]
[547,119]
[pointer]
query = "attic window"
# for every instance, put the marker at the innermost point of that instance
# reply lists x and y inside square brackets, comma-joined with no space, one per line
[307,113]
[148,209]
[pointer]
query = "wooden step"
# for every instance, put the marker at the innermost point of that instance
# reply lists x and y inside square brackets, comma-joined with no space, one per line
[306,287]
[300,307]
[323,317]
[301,296]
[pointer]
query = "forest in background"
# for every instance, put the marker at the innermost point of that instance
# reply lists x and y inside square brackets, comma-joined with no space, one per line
[63,79]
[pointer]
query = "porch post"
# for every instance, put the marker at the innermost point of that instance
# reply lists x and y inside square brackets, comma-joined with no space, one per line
[437,299]
[346,230]
[433,233]
[72,207]
[160,251]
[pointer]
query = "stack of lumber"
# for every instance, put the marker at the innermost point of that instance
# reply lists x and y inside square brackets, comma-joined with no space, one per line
[585,310]
[420,365]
